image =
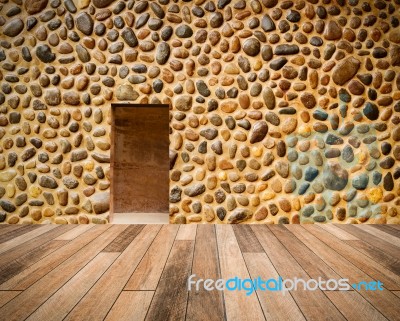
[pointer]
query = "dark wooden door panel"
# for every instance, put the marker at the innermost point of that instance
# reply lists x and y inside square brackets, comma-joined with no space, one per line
[141,163]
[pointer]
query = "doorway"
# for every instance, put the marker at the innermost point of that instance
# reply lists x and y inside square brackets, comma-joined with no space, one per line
[140,164]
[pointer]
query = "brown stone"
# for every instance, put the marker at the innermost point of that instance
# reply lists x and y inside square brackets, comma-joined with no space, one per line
[35,6]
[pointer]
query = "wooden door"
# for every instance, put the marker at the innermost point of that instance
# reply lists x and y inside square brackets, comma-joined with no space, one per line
[140,162]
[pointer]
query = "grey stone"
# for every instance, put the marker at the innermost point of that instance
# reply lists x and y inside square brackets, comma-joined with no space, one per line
[28,154]
[267,24]
[360,182]
[175,194]
[52,96]
[239,215]
[184,31]
[13,28]
[129,36]
[348,154]
[70,182]
[44,53]
[7,206]
[126,92]
[78,154]
[48,182]
[335,177]
[100,202]
[163,52]
[195,190]
[202,88]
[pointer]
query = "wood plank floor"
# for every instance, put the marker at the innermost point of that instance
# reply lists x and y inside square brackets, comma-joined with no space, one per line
[140,272]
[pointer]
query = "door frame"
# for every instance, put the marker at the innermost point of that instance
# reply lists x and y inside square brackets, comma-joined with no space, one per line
[112,139]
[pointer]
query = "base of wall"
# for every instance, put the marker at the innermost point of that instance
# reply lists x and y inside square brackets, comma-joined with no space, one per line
[140,218]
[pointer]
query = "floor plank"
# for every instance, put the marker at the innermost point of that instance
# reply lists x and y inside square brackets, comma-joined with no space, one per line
[387,237]
[33,244]
[25,237]
[124,239]
[388,229]
[277,306]
[38,270]
[30,299]
[232,264]
[353,306]
[10,269]
[16,230]
[246,239]
[7,296]
[338,232]
[70,235]
[340,257]
[170,298]
[130,305]
[117,272]
[205,305]
[388,261]
[308,260]
[7,228]
[372,239]
[364,263]
[63,301]
[95,305]
[148,272]
[314,304]
[187,232]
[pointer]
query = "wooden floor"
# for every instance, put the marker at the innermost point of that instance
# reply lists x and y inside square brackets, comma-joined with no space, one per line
[140,272]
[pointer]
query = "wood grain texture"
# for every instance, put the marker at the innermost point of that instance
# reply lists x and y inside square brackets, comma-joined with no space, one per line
[187,232]
[277,306]
[353,306]
[12,268]
[95,304]
[7,296]
[170,299]
[130,305]
[362,262]
[63,301]
[314,266]
[313,304]
[76,279]
[246,239]
[205,305]
[232,264]
[122,241]
[340,257]
[372,239]
[33,244]
[388,229]
[25,237]
[30,299]
[148,272]
[338,232]
[70,235]
[387,237]
[388,261]
[7,228]
[36,271]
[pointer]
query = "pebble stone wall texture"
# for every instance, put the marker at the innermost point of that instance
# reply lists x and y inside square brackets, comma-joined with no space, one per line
[281,111]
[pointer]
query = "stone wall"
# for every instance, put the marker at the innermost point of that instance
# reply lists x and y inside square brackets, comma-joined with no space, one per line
[281,111]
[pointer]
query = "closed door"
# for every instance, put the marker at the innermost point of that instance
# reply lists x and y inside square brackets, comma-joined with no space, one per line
[140,159]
